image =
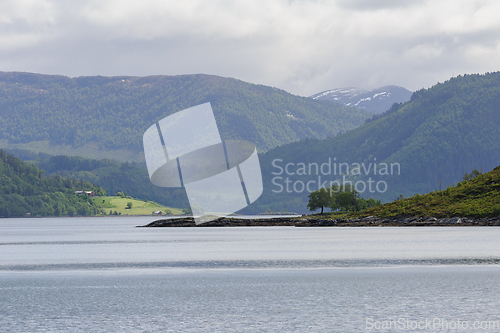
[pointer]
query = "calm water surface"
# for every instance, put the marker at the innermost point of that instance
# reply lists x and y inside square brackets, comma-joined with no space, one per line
[103,274]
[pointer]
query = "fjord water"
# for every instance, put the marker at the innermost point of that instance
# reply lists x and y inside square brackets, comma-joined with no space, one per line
[103,274]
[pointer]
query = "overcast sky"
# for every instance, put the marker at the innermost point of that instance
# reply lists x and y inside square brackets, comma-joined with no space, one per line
[303,47]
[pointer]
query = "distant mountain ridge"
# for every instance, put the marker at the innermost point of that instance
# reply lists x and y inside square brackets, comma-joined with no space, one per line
[105,117]
[376,100]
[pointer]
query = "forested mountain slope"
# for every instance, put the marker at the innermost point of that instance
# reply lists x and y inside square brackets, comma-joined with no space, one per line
[436,137]
[107,116]
[24,189]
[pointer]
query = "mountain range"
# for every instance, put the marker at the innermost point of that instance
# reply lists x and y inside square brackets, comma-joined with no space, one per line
[375,100]
[418,146]
[105,117]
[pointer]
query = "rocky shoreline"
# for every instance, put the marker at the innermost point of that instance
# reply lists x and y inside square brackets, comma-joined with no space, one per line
[224,222]
[317,221]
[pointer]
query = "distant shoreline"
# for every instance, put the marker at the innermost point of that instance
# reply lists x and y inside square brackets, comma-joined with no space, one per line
[318,221]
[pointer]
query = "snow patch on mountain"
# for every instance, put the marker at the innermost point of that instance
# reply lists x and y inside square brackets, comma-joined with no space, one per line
[376,100]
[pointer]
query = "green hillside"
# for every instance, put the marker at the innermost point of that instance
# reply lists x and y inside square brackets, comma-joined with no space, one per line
[478,197]
[436,137]
[100,117]
[24,189]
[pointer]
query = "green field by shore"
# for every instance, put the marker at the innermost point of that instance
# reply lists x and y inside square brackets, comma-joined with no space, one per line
[139,207]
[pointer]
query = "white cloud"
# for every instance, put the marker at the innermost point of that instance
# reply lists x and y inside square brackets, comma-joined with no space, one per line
[33,13]
[300,46]
[24,23]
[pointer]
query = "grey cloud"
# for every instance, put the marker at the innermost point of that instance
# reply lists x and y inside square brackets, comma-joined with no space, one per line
[301,46]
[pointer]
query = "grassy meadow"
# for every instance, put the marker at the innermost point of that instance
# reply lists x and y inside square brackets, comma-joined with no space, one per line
[139,207]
